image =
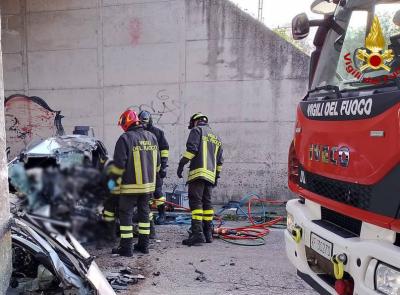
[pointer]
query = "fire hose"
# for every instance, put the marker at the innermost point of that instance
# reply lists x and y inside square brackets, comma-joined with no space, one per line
[249,235]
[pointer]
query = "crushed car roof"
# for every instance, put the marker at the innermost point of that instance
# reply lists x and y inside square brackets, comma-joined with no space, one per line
[66,142]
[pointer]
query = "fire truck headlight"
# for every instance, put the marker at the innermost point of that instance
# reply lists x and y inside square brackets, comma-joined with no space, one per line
[387,279]
[290,223]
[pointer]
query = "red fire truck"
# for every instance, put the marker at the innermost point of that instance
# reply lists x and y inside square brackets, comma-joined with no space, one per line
[344,162]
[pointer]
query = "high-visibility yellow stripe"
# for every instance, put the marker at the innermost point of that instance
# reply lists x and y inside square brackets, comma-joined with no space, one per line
[205,153]
[156,169]
[207,177]
[164,153]
[208,212]
[197,211]
[108,213]
[208,218]
[196,217]
[126,227]
[188,155]
[138,191]
[204,170]
[115,170]
[109,219]
[144,224]
[134,186]
[126,236]
[201,172]
[215,158]
[144,231]
[219,168]
[197,214]
[211,179]
[138,167]
[138,188]
[151,216]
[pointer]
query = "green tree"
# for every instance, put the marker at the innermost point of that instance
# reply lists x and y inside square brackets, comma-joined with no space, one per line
[286,33]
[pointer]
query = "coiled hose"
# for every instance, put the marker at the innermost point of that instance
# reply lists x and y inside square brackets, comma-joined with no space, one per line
[249,235]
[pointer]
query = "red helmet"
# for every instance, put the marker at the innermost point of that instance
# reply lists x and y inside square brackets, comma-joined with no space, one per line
[127,119]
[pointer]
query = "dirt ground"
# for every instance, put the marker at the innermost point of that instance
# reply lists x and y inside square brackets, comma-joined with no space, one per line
[217,268]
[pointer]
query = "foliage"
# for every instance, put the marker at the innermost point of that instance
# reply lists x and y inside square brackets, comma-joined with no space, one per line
[286,33]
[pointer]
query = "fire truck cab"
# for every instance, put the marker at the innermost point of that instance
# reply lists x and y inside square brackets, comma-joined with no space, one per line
[343,231]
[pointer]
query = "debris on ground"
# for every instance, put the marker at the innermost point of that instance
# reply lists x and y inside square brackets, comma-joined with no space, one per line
[201,277]
[120,280]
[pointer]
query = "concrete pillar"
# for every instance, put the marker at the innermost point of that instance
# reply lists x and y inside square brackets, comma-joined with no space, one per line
[5,236]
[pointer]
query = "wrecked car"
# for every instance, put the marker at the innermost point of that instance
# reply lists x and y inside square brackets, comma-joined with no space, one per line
[52,263]
[62,178]
[59,188]
[63,151]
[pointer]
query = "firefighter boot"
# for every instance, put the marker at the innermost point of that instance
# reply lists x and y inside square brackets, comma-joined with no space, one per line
[152,235]
[196,238]
[208,231]
[124,248]
[161,215]
[143,244]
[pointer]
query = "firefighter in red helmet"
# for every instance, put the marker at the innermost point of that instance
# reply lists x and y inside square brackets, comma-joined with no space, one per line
[135,168]
[204,152]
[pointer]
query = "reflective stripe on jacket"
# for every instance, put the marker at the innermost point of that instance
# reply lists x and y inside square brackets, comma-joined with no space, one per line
[162,143]
[137,155]
[204,150]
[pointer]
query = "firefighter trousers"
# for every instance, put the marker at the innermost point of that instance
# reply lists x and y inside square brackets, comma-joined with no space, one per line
[110,212]
[127,204]
[200,200]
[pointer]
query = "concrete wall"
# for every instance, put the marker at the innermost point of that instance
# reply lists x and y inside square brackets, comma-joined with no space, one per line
[93,58]
[5,236]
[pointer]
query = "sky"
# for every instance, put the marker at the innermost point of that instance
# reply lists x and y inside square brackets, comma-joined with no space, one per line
[277,12]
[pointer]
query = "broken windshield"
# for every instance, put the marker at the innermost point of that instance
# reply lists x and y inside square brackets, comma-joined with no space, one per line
[368,53]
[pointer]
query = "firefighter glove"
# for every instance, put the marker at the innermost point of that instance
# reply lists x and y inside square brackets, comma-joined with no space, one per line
[180,171]
[216,179]
[111,184]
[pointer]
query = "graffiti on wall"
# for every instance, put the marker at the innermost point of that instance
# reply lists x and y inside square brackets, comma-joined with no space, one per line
[135,31]
[163,108]
[29,120]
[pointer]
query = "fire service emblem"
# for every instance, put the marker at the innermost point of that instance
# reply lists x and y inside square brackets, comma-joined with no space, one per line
[373,56]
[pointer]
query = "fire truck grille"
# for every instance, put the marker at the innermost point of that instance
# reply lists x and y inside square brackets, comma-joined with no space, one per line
[349,224]
[348,193]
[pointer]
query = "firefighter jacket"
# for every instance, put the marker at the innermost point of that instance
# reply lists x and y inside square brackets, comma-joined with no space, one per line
[136,162]
[204,150]
[162,144]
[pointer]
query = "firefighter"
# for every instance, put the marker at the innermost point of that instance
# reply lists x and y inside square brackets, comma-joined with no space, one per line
[147,121]
[136,164]
[110,210]
[204,152]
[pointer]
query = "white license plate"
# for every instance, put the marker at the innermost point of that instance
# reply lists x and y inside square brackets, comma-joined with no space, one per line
[321,246]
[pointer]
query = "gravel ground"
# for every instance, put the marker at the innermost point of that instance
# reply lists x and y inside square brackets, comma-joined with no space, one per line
[217,268]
